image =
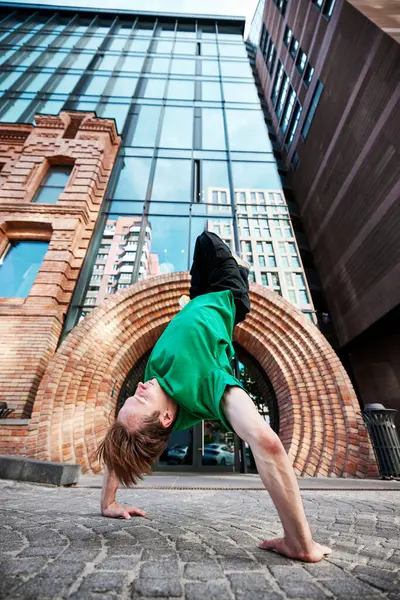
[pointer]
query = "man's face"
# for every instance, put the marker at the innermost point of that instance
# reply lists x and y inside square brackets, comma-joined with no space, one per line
[147,398]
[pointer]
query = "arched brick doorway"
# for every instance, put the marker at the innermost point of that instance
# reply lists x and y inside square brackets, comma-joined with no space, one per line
[320,424]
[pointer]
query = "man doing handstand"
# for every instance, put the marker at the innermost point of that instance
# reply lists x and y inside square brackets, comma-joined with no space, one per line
[189,378]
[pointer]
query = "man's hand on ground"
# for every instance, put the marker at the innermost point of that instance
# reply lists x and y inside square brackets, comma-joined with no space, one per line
[281,545]
[119,511]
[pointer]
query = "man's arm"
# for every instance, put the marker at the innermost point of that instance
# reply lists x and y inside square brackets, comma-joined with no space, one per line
[109,507]
[277,474]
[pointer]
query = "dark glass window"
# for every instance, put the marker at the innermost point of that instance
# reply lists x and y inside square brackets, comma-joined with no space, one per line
[311,111]
[19,266]
[294,46]
[288,36]
[308,75]
[53,184]
[293,123]
[328,8]
[301,60]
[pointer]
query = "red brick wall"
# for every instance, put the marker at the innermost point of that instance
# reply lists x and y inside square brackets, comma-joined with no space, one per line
[13,438]
[321,427]
[30,327]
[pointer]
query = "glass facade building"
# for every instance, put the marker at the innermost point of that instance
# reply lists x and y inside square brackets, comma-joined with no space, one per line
[195,151]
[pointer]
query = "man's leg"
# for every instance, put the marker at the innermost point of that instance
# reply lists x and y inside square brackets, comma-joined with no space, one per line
[215,270]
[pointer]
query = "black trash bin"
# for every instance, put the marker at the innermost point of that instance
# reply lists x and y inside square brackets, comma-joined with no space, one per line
[385,438]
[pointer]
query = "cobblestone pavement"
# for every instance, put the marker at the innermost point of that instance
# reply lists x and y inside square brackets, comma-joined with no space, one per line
[199,545]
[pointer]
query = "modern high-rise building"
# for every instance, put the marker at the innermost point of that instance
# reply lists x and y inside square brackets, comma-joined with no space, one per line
[329,72]
[123,136]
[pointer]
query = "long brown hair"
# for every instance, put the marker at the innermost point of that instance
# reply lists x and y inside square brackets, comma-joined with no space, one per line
[131,455]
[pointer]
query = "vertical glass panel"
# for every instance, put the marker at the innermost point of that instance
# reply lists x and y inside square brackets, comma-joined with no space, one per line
[172,181]
[117,44]
[247,131]
[53,59]
[139,45]
[96,85]
[169,244]
[37,83]
[153,88]
[182,90]
[177,129]
[14,111]
[132,63]
[240,92]
[184,47]
[108,62]
[209,67]
[211,90]
[66,84]
[250,175]
[19,267]
[213,134]
[12,78]
[182,66]
[132,179]
[143,126]
[123,86]
[52,107]
[232,50]
[235,69]
[209,49]
[164,46]
[111,110]
[214,177]
[159,65]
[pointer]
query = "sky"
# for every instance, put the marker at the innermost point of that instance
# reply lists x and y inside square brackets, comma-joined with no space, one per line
[243,8]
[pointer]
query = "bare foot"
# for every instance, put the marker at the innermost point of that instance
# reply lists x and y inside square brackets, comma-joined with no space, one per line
[284,547]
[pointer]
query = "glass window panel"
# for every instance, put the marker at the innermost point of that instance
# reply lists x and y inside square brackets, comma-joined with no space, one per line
[96,85]
[52,107]
[117,44]
[184,48]
[53,59]
[169,244]
[185,67]
[164,46]
[12,78]
[124,86]
[255,175]
[154,88]
[111,110]
[209,67]
[132,63]
[108,62]
[169,208]
[214,176]
[66,84]
[15,111]
[213,134]
[140,45]
[47,195]
[19,268]
[172,181]
[232,50]
[57,176]
[177,129]
[248,131]
[133,179]
[143,129]
[37,83]
[240,92]
[235,69]
[121,207]
[159,65]
[183,90]
[209,49]
[211,90]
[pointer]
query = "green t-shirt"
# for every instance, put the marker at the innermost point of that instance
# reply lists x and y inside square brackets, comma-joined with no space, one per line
[191,360]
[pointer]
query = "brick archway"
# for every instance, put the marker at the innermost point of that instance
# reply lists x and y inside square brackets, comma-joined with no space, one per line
[321,426]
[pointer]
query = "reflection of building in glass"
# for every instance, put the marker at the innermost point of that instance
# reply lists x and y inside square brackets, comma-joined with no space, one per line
[267,241]
[115,261]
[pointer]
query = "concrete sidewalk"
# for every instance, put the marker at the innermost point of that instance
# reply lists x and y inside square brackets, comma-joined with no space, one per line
[177,480]
[196,544]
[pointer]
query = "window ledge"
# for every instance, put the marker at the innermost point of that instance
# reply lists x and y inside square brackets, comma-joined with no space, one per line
[12,301]
[14,422]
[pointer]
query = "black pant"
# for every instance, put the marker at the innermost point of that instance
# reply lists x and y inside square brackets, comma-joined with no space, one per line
[214,270]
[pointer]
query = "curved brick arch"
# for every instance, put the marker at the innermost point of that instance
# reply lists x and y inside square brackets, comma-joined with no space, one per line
[320,423]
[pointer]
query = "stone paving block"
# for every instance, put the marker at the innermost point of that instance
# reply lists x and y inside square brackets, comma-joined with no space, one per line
[245,582]
[349,587]
[159,569]
[101,582]
[157,588]
[385,580]
[207,591]
[238,564]
[202,572]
